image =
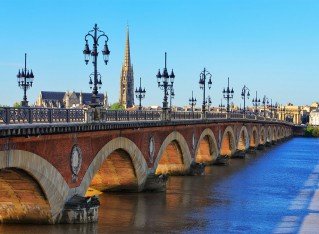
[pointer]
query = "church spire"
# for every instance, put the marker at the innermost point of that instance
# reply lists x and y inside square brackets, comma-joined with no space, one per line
[127,77]
[127,56]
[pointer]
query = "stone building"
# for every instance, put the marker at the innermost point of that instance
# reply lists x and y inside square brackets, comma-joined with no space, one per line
[290,112]
[50,99]
[127,77]
[314,118]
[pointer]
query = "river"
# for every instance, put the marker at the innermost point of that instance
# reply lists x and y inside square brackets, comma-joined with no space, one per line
[263,193]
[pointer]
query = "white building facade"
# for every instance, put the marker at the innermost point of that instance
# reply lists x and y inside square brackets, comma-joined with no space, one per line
[314,118]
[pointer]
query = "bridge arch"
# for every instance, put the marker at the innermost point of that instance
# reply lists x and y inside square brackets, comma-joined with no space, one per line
[243,139]
[278,133]
[228,146]
[51,182]
[274,134]
[125,148]
[269,135]
[282,133]
[262,136]
[177,144]
[254,137]
[206,149]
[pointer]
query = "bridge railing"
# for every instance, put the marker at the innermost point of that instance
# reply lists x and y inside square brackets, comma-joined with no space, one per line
[123,115]
[216,115]
[175,115]
[250,116]
[19,115]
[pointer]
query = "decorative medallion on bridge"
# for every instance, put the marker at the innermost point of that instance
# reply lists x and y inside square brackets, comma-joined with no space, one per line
[193,141]
[152,149]
[76,162]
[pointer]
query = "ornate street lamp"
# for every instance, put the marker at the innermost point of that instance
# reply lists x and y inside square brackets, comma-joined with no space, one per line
[265,102]
[25,81]
[192,102]
[256,103]
[209,102]
[221,106]
[202,84]
[171,95]
[228,95]
[97,82]
[245,93]
[165,82]
[140,94]
[273,109]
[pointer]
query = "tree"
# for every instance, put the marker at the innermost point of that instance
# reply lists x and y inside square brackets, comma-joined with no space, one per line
[117,106]
[17,104]
[312,132]
[315,132]
[308,131]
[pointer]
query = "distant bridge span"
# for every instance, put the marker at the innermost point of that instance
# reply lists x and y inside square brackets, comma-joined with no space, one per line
[46,167]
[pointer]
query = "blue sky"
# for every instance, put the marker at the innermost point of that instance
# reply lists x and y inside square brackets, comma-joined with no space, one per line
[271,46]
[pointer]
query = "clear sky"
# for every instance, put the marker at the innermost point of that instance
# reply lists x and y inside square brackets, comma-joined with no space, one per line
[271,46]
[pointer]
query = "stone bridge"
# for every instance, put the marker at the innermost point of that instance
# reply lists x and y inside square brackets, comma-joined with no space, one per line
[50,171]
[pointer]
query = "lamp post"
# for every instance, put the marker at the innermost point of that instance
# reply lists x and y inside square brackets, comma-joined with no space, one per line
[228,95]
[97,82]
[25,81]
[171,95]
[273,109]
[221,106]
[202,85]
[245,93]
[140,94]
[256,103]
[165,82]
[192,102]
[209,102]
[265,101]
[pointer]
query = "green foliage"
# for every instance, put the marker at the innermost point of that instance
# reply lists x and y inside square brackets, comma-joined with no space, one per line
[315,132]
[17,104]
[312,132]
[308,131]
[117,106]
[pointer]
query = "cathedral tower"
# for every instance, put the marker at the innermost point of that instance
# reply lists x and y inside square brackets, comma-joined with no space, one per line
[127,77]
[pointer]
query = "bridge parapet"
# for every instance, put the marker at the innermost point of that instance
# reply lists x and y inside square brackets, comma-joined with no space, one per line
[10,115]
[22,115]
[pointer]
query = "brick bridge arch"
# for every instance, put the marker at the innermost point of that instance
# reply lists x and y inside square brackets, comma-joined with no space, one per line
[50,180]
[120,143]
[228,145]
[254,137]
[278,133]
[262,136]
[282,134]
[207,148]
[269,136]
[243,139]
[274,134]
[180,144]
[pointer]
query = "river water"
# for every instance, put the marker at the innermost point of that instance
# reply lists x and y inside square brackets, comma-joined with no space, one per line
[259,194]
